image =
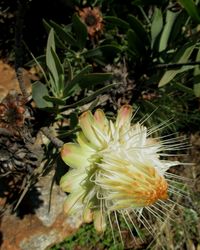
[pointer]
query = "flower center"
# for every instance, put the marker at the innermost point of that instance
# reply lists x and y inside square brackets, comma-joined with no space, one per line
[150,188]
[159,192]
[90,20]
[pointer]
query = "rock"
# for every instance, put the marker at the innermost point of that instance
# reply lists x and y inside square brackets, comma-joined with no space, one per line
[38,229]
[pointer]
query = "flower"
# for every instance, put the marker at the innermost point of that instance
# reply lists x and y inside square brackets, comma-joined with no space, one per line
[116,167]
[93,20]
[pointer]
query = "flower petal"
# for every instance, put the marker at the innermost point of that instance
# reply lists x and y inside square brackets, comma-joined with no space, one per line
[73,203]
[87,215]
[74,155]
[86,122]
[101,121]
[99,221]
[71,180]
[124,116]
[84,143]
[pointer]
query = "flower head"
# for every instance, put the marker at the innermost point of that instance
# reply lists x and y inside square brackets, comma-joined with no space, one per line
[115,167]
[93,20]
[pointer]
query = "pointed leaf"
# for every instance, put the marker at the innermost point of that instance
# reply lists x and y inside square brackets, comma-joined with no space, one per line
[116,21]
[49,57]
[90,80]
[55,100]
[60,72]
[170,74]
[156,25]
[170,19]
[183,88]
[48,27]
[80,30]
[139,29]
[191,9]
[64,35]
[73,84]
[135,44]
[70,70]
[87,99]
[101,50]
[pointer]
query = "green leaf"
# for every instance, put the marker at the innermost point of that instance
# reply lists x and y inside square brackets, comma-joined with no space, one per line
[55,67]
[39,90]
[170,74]
[74,83]
[101,50]
[177,29]
[37,60]
[197,68]
[91,97]
[191,9]
[137,26]
[135,44]
[60,72]
[90,80]
[156,25]
[183,88]
[48,27]
[63,34]
[49,57]
[59,66]
[55,100]
[116,21]
[70,70]
[80,31]
[170,19]
[197,89]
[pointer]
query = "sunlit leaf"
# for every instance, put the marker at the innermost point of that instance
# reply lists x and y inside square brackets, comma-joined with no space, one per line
[197,89]
[170,74]
[49,57]
[170,19]
[156,25]
[39,90]
[197,68]
[59,70]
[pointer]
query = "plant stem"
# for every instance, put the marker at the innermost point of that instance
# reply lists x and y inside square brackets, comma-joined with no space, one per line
[57,142]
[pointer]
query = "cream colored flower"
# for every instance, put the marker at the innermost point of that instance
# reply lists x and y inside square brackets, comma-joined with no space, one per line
[116,167]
